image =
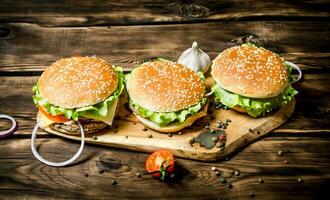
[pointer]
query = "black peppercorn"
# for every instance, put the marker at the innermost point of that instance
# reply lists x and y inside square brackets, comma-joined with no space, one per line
[251,194]
[223,180]
[260,180]
[280,153]
[215,139]
[192,141]
[138,174]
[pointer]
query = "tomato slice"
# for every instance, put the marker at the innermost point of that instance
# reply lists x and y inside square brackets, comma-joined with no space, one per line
[160,163]
[55,118]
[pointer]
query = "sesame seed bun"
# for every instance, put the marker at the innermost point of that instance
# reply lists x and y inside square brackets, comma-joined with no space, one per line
[176,126]
[163,86]
[78,81]
[250,71]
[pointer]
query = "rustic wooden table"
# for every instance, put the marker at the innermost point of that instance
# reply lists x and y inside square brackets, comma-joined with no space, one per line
[34,34]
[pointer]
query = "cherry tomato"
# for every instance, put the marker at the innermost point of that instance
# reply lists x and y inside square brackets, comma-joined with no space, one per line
[160,163]
[55,118]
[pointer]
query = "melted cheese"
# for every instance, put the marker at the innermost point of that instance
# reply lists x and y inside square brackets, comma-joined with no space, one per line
[43,120]
[108,119]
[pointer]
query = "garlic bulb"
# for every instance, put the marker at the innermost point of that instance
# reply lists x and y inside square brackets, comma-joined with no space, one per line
[195,59]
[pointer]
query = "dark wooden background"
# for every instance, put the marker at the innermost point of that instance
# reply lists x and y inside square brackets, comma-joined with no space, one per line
[35,33]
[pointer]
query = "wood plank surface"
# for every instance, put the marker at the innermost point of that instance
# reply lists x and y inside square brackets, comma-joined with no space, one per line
[35,33]
[33,47]
[194,180]
[95,12]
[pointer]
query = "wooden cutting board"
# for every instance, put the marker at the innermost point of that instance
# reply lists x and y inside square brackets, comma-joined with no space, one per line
[241,131]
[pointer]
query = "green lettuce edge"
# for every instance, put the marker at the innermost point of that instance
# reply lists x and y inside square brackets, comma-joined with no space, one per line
[100,109]
[165,118]
[254,106]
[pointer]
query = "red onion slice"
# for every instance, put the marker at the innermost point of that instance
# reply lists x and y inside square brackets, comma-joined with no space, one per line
[11,131]
[54,164]
[295,67]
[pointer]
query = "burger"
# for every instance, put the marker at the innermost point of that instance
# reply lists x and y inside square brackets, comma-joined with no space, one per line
[78,88]
[251,79]
[166,96]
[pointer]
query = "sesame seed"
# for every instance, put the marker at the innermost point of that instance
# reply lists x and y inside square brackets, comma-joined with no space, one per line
[78,81]
[259,69]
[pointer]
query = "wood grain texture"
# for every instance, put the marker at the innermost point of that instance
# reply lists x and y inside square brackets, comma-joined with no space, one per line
[194,180]
[33,47]
[35,33]
[95,12]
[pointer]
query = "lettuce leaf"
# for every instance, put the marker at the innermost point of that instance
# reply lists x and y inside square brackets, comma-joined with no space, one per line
[201,75]
[254,106]
[164,118]
[291,76]
[100,109]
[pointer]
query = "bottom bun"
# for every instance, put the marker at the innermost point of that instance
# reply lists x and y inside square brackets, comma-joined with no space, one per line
[239,109]
[176,126]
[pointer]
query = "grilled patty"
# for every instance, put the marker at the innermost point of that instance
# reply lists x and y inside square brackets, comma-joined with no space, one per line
[89,125]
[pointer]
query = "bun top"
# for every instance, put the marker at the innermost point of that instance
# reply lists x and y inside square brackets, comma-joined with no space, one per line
[250,71]
[164,86]
[78,81]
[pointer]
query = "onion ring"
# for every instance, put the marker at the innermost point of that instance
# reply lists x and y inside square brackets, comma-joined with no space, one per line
[11,130]
[294,66]
[54,164]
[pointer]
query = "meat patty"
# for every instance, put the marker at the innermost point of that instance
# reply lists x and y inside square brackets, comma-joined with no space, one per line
[89,125]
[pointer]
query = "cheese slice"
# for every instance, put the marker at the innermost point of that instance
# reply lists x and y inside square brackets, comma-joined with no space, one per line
[43,120]
[108,119]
